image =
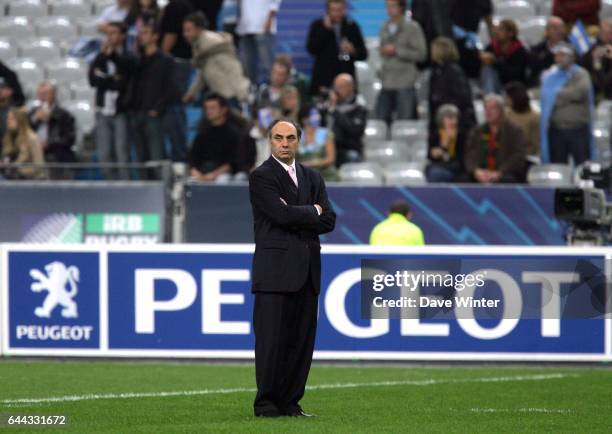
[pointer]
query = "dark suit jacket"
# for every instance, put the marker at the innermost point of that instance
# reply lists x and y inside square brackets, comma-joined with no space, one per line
[322,45]
[287,249]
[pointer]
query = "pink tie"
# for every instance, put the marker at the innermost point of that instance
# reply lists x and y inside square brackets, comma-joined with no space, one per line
[292,175]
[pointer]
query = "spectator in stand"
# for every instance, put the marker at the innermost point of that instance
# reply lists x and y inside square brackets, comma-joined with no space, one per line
[446,146]
[11,94]
[267,98]
[434,18]
[346,118]
[335,41]
[541,56]
[151,97]
[214,56]
[448,84]
[210,9]
[598,61]
[402,45]
[20,145]
[567,105]
[569,11]
[519,112]
[504,60]
[289,104]
[116,13]
[12,90]
[296,78]
[257,32]
[495,150]
[397,229]
[174,43]
[317,149]
[54,126]
[466,16]
[215,148]
[171,28]
[141,12]
[110,74]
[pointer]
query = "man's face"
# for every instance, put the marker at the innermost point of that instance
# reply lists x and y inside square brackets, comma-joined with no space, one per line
[46,94]
[606,32]
[336,12]
[123,3]
[393,9]
[114,36]
[279,75]
[564,60]
[215,113]
[284,142]
[146,36]
[343,88]
[190,31]
[555,30]
[493,111]
[6,93]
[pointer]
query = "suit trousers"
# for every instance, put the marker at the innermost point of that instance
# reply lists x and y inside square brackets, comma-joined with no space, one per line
[285,326]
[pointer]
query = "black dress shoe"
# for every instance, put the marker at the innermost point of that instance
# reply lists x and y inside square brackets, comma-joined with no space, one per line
[268,413]
[300,413]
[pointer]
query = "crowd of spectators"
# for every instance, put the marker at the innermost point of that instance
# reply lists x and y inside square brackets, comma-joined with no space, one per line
[153,61]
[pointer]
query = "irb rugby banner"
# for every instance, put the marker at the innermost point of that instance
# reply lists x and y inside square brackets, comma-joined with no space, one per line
[455,303]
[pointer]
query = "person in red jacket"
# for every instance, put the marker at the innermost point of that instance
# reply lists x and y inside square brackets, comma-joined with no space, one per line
[571,10]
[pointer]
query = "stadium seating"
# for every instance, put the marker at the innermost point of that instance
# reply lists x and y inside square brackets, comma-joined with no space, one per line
[8,51]
[606,8]
[386,152]
[409,130]
[74,9]
[515,10]
[100,5]
[41,50]
[400,173]
[60,29]
[376,129]
[361,173]
[81,90]
[66,70]
[550,175]
[87,27]
[28,8]
[30,73]
[601,133]
[84,114]
[16,28]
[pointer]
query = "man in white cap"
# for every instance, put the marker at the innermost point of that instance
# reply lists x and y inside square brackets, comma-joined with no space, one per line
[567,103]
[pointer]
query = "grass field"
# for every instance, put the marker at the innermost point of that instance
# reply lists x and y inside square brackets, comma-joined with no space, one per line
[158,397]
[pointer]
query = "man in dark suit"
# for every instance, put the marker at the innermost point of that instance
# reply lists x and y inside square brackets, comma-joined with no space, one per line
[290,210]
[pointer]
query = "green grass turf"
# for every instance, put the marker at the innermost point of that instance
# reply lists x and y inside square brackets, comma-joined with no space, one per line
[581,401]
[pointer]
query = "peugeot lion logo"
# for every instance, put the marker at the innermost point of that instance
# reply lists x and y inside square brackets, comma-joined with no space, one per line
[56,280]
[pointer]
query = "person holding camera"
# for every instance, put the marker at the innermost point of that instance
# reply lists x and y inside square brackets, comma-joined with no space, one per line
[335,41]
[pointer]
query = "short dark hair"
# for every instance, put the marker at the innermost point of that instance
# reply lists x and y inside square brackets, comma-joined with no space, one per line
[152,24]
[289,121]
[198,19]
[400,207]
[517,92]
[402,4]
[119,25]
[214,96]
[328,2]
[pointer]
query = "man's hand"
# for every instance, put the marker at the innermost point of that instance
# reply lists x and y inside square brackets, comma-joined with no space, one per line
[153,113]
[42,115]
[388,50]
[494,176]
[481,175]
[487,58]
[187,98]
[347,46]
[269,22]
[283,201]
[327,22]
[319,209]
[437,152]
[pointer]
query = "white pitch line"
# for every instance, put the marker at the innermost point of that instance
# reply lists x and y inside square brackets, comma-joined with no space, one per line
[522,410]
[132,395]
